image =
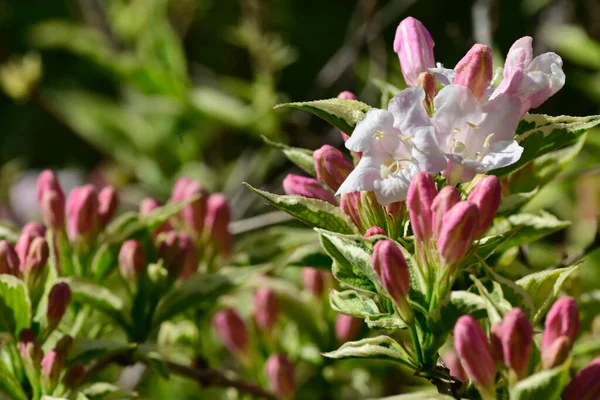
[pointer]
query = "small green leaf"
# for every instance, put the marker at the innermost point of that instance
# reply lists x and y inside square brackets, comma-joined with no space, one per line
[10,385]
[547,385]
[106,391]
[343,114]
[313,212]
[310,255]
[462,303]
[380,347]
[350,302]
[15,305]
[303,158]
[85,350]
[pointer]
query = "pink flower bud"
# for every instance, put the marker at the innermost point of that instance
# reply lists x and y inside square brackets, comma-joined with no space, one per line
[53,363]
[189,255]
[391,268]
[496,334]
[419,198]
[346,95]
[218,216]
[396,210]
[586,384]
[53,210]
[557,353]
[59,299]
[562,320]
[486,196]
[427,81]
[347,327]
[349,204]
[108,201]
[307,187]
[414,47]
[82,212]
[132,260]
[146,207]
[74,376]
[231,329]
[30,348]
[475,70]
[331,166]
[457,232]
[193,215]
[266,309]
[178,254]
[447,198]
[48,182]
[476,355]
[37,256]
[28,233]
[9,261]
[280,373]
[516,339]
[314,281]
[374,230]
[455,366]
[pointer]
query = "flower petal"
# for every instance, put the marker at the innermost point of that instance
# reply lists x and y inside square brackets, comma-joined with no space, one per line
[502,116]
[376,120]
[395,187]
[363,177]
[426,150]
[501,154]
[407,109]
[454,105]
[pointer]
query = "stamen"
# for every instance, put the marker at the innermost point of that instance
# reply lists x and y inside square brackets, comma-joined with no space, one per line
[472,125]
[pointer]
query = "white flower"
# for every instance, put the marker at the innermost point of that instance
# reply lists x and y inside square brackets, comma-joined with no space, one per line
[396,144]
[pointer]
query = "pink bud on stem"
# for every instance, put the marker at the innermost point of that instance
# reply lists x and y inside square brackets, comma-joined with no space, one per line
[53,363]
[9,261]
[455,366]
[486,196]
[108,202]
[414,47]
[59,299]
[561,328]
[331,166]
[517,341]
[82,213]
[447,198]
[307,187]
[314,281]
[231,329]
[132,260]
[280,373]
[427,81]
[347,327]
[35,261]
[30,348]
[391,268]
[457,232]
[51,199]
[218,217]
[349,203]
[373,231]
[421,193]
[266,309]
[29,232]
[193,215]
[586,384]
[475,70]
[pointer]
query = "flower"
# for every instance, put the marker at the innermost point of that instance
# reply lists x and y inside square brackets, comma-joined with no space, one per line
[414,47]
[397,144]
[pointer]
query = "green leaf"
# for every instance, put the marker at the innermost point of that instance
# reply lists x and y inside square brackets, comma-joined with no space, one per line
[462,303]
[15,305]
[419,396]
[380,347]
[106,391]
[85,350]
[313,212]
[343,114]
[303,158]
[547,385]
[10,385]
[310,255]
[350,302]
[544,287]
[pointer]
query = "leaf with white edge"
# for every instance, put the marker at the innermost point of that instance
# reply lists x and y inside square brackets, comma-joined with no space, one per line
[10,387]
[313,212]
[380,347]
[388,322]
[544,287]
[495,304]
[15,305]
[540,134]
[303,158]
[511,292]
[419,396]
[343,114]
[546,385]
[106,391]
[350,302]
[462,303]
[85,350]
[311,255]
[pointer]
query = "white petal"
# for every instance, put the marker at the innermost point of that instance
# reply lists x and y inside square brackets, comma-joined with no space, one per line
[519,56]
[501,155]
[426,150]
[376,120]
[445,76]
[395,187]
[407,109]
[363,177]
[454,105]
[502,117]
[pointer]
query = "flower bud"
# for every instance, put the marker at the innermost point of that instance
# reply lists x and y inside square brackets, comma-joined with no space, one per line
[108,201]
[59,299]
[178,254]
[53,363]
[457,232]
[82,212]
[414,47]
[346,95]
[496,333]
[30,348]
[426,80]
[218,216]
[74,376]
[347,327]
[48,182]
[132,260]
[557,353]
[396,211]
[419,198]
[231,329]
[476,355]
[586,384]
[391,268]
[349,204]
[516,339]
[146,207]
[189,255]
[35,260]
[53,210]
[9,261]
[280,373]
[562,320]
[193,215]
[266,309]
[314,281]
[455,366]
[374,230]
[331,166]
[486,196]
[307,187]
[447,198]
[28,233]
[475,70]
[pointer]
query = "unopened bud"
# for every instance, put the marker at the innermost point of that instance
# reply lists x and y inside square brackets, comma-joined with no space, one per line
[9,261]
[74,376]
[457,232]
[391,268]
[346,95]
[307,187]
[48,182]
[517,339]
[30,348]
[414,47]
[53,363]
[486,196]
[146,207]
[314,281]
[53,211]
[331,166]
[562,320]
[419,199]
[374,230]
[476,355]
[426,80]
[475,70]
[280,373]
[496,333]
[266,309]
[396,210]
[586,384]
[59,299]
[37,256]
[189,255]
[218,216]
[193,215]
[557,353]
[176,251]
[82,212]
[28,233]
[349,204]
[447,198]
[108,202]
[132,260]
[453,363]
[231,329]
[347,327]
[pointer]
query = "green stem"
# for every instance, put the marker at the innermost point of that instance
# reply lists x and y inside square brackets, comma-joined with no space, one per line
[414,338]
[80,320]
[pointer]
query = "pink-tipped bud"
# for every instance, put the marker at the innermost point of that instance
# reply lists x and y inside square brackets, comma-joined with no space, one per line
[557,353]
[475,70]
[178,254]
[37,256]
[349,203]
[146,207]
[314,281]
[391,268]
[347,327]
[396,210]
[419,198]
[496,334]
[132,260]
[53,210]
[82,212]
[346,95]
[218,216]
[455,366]
[266,309]
[74,376]
[331,166]
[47,181]
[280,373]
[53,363]
[59,299]
[414,47]
[586,384]
[189,255]
[108,202]
[30,348]
[562,320]
[374,230]
[193,215]
[517,340]
[29,232]
[447,198]
[486,196]
[9,261]
[307,187]
[427,81]
[231,329]
[457,232]
[476,355]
